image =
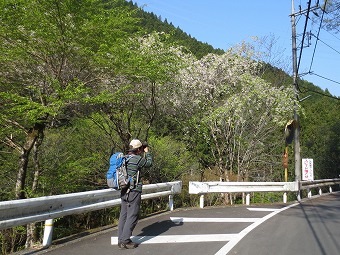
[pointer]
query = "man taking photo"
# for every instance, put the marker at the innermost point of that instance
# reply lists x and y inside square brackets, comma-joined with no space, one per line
[138,158]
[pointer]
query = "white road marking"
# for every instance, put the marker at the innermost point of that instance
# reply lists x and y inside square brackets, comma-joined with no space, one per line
[231,239]
[263,209]
[202,220]
[226,248]
[179,238]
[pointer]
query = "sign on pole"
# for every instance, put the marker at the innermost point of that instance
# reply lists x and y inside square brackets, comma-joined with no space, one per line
[307,169]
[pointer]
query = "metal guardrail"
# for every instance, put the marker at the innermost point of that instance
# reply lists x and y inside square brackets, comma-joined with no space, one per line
[234,187]
[202,188]
[309,185]
[20,212]
[318,183]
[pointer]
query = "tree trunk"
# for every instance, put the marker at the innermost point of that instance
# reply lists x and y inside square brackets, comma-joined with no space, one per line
[21,177]
[31,235]
[31,137]
[37,168]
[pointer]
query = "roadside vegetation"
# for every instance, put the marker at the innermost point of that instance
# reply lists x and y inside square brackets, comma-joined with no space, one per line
[78,78]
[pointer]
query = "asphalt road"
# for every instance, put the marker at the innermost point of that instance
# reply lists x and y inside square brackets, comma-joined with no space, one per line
[311,227]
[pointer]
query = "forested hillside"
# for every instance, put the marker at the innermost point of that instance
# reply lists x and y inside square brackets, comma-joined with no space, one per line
[151,22]
[79,78]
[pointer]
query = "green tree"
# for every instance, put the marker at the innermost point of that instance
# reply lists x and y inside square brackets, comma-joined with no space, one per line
[329,13]
[50,52]
[172,160]
[51,56]
[319,132]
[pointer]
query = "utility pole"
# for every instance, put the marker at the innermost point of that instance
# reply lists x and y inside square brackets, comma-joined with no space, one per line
[296,92]
[297,156]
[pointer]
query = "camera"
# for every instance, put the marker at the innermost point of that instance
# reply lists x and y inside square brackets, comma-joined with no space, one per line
[145,144]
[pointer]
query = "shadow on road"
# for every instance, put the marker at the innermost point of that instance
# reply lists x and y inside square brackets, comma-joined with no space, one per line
[156,229]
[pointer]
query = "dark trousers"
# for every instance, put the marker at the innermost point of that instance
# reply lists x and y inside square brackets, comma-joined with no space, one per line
[129,210]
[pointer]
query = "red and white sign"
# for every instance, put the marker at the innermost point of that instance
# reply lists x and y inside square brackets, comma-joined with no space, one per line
[307,169]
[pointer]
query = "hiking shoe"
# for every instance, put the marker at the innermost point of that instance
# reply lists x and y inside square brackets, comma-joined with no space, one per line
[130,245]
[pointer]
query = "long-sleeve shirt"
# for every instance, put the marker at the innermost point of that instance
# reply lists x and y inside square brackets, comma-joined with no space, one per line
[134,168]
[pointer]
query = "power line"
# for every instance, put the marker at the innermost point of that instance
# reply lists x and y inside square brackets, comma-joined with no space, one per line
[323,12]
[326,44]
[307,11]
[324,77]
[333,34]
[303,35]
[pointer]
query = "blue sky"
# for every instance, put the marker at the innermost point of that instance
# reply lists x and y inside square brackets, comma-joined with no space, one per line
[224,23]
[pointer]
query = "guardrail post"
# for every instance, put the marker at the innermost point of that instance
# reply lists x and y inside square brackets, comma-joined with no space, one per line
[320,191]
[201,201]
[285,197]
[171,202]
[248,199]
[330,189]
[48,231]
[298,195]
[309,192]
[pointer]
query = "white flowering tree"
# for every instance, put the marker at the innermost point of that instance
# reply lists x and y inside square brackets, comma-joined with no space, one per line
[244,129]
[144,68]
[203,82]
[233,111]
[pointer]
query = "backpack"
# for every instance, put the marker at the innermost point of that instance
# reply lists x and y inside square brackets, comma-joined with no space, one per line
[117,176]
